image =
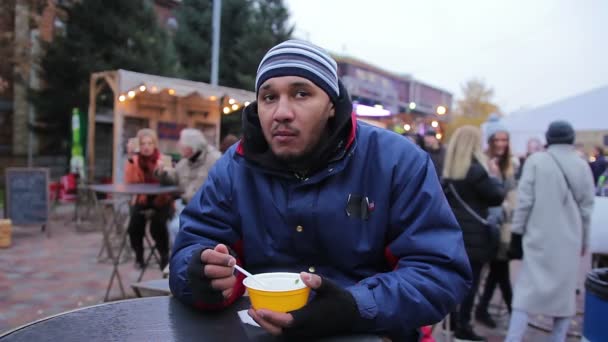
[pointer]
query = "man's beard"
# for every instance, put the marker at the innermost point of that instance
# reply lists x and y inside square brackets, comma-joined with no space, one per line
[302,161]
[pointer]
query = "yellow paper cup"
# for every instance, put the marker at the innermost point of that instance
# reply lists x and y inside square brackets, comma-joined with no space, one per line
[282,292]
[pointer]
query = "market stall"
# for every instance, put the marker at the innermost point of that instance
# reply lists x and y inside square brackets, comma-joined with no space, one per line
[164,104]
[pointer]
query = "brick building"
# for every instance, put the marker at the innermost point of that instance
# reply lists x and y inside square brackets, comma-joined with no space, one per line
[23,25]
[392,99]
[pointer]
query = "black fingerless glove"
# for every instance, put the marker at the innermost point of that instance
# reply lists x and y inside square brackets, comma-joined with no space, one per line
[333,311]
[199,283]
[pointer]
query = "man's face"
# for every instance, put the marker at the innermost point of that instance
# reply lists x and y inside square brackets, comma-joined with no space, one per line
[500,142]
[293,114]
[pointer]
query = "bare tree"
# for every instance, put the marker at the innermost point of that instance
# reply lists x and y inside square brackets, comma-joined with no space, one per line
[476,101]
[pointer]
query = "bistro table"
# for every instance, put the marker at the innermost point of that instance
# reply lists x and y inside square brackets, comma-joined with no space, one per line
[150,319]
[123,189]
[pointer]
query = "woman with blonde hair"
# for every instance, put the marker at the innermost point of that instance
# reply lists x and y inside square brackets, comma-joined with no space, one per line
[499,152]
[140,168]
[471,189]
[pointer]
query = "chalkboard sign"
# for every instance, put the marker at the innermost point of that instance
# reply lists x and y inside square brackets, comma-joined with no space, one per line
[27,195]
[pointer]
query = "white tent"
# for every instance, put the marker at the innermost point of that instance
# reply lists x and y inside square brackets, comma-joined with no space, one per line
[586,112]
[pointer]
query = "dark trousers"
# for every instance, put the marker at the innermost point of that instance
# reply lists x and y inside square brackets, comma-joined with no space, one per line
[499,275]
[466,307]
[158,230]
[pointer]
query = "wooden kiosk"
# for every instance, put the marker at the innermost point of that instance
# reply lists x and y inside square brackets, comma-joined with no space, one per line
[164,104]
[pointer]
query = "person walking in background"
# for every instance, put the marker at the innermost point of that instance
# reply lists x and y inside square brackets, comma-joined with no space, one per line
[471,189]
[534,145]
[598,166]
[555,201]
[499,152]
[433,147]
[190,172]
[228,141]
[140,169]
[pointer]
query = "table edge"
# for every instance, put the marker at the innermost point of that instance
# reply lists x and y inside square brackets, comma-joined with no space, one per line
[174,189]
[26,325]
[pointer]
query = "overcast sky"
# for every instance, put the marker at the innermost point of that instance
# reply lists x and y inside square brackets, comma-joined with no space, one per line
[531,52]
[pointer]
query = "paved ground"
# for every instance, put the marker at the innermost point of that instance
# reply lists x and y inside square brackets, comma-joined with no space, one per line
[41,276]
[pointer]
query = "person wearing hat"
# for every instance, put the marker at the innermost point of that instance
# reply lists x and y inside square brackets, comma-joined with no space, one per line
[433,147]
[555,201]
[499,154]
[198,157]
[311,190]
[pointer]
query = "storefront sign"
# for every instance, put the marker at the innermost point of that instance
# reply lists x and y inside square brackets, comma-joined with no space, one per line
[362,110]
[169,130]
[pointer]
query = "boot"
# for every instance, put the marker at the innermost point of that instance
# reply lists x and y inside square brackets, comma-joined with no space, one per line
[164,260]
[466,334]
[139,258]
[483,317]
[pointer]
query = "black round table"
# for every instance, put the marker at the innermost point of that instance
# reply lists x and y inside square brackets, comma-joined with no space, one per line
[149,319]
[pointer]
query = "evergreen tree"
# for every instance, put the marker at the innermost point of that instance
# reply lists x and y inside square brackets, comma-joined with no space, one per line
[248,29]
[100,35]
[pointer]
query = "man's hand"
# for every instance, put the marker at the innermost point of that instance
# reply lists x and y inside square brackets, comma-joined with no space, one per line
[332,311]
[219,269]
[275,322]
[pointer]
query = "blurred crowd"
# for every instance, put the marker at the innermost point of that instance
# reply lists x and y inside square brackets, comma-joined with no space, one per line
[536,207]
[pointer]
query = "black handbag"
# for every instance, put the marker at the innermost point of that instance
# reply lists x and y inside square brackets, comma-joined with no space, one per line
[492,225]
[516,250]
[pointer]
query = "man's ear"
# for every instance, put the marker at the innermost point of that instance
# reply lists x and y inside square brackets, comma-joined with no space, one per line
[332,110]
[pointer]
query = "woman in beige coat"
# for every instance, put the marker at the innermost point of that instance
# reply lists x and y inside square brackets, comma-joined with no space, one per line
[191,171]
[555,201]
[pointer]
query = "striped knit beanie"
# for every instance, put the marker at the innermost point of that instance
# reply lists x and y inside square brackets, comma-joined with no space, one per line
[303,59]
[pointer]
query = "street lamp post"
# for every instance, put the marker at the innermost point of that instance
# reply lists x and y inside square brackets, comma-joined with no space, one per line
[215,49]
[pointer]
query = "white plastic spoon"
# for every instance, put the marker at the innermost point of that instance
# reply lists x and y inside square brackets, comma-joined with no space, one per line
[249,275]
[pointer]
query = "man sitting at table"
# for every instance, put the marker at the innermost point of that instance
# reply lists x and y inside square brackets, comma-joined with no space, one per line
[311,189]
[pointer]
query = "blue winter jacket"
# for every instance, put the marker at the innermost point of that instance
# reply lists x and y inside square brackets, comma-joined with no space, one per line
[401,254]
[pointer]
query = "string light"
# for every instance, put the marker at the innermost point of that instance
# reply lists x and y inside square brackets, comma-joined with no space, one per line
[171,91]
[441,110]
[131,94]
[412,105]
[407,127]
[142,88]
[212,98]
[154,89]
[226,110]
[435,124]
[438,136]
[122,98]
[235,106]
[232,101]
